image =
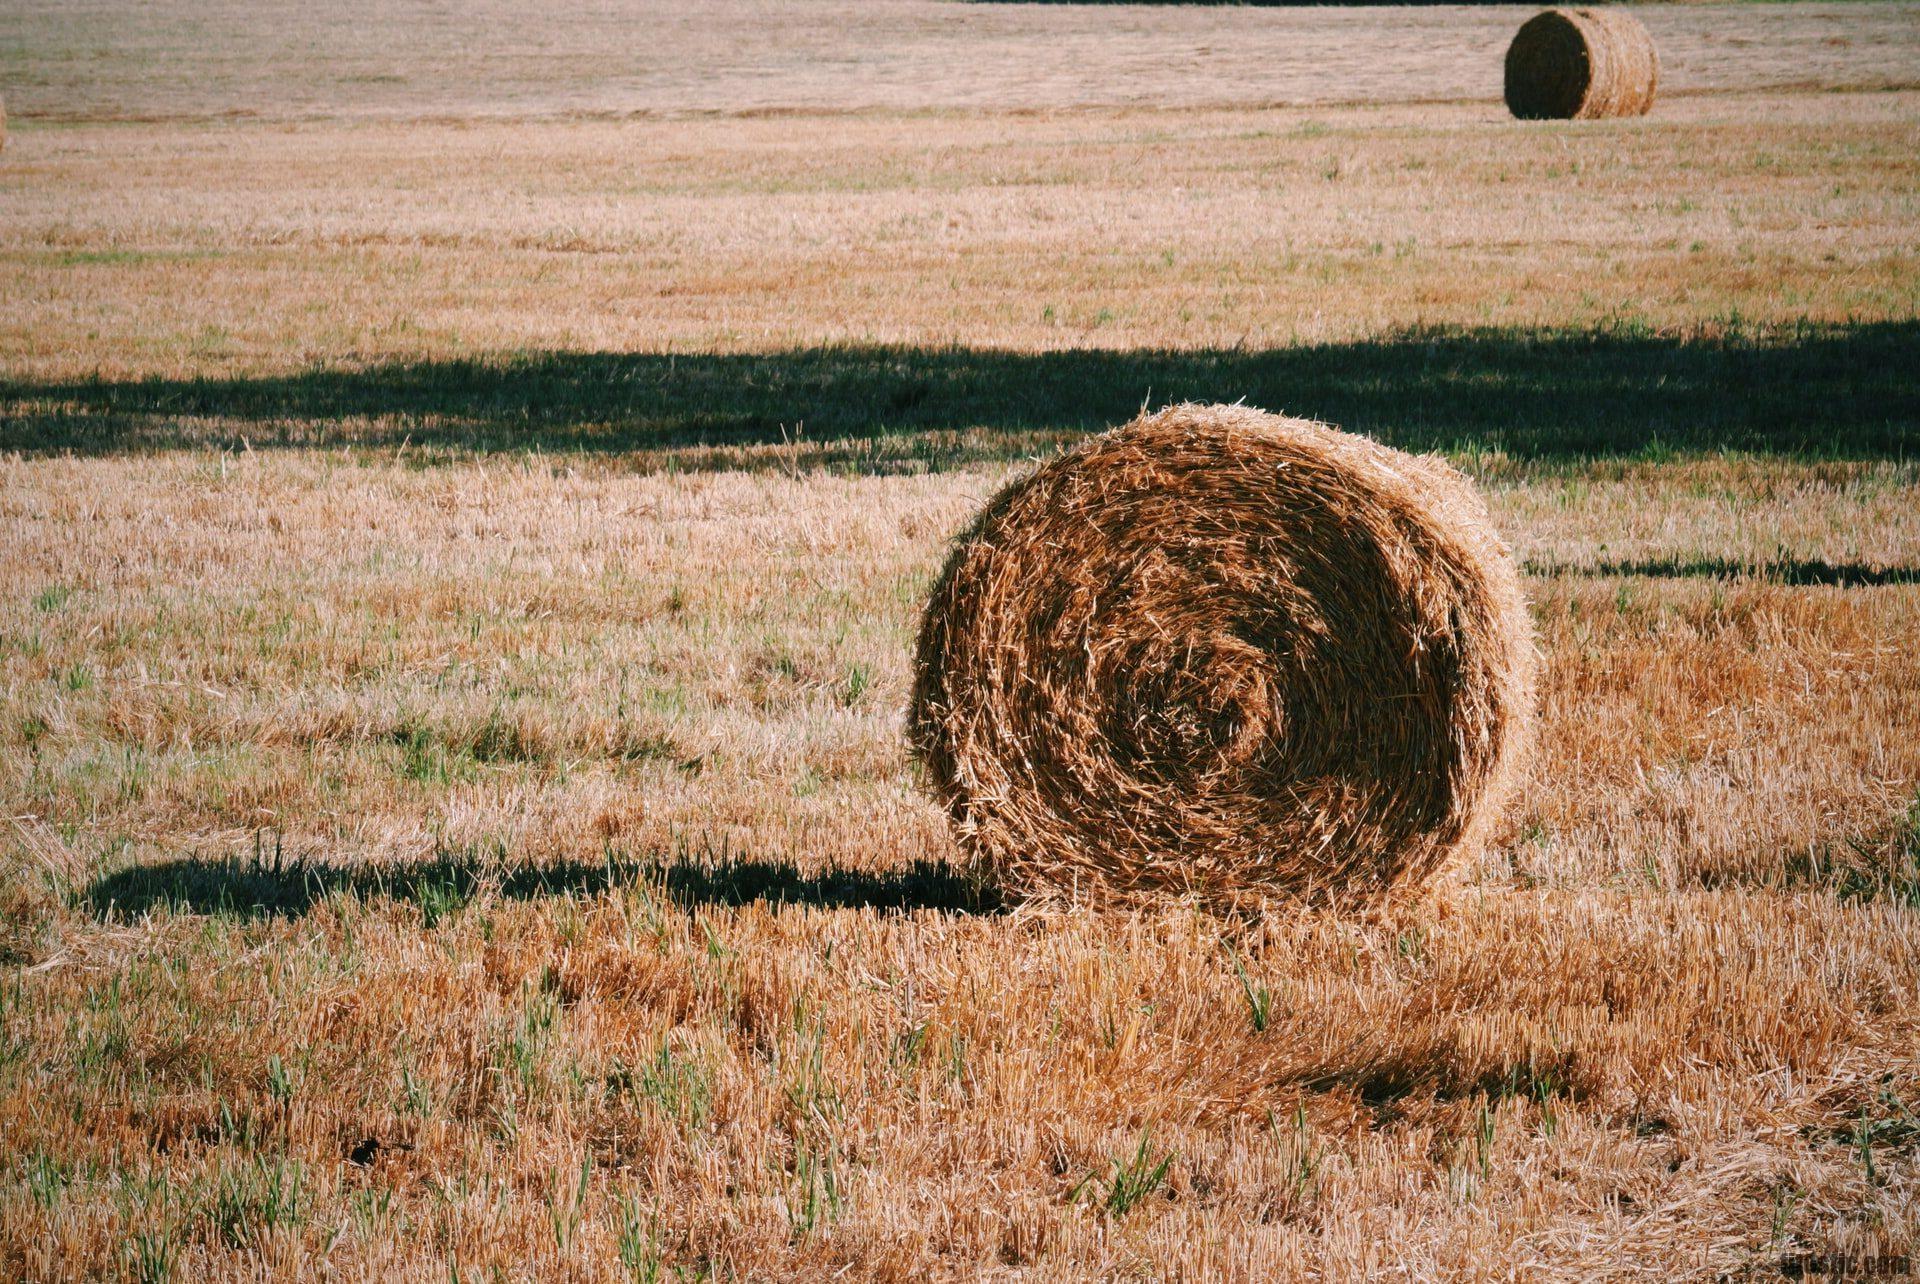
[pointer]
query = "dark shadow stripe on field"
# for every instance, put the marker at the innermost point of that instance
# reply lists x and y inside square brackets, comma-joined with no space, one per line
[1841,574]
[1842,391]
[251,888]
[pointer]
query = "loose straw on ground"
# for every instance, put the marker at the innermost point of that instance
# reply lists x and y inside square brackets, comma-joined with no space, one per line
[1581,64]
[1222,654]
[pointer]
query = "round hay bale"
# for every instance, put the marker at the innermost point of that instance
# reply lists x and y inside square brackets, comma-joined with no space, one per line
[1581,64]
[1221,654]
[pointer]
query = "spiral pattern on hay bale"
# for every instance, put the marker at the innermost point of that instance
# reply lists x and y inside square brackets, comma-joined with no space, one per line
[1222,654]
[1581,64]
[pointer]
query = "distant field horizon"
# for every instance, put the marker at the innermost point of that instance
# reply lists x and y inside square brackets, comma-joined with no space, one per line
[99,60]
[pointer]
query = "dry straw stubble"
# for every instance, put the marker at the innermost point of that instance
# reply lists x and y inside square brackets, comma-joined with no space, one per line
[1581,64]
[1222,654]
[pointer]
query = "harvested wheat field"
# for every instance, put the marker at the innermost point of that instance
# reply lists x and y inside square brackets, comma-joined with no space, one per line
[469,495]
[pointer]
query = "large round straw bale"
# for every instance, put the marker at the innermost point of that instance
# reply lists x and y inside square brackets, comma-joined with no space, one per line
[1222,654]
[1581,64]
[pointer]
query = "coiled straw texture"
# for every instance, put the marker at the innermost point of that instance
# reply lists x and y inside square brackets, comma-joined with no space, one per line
[1229,656]
[1581,64]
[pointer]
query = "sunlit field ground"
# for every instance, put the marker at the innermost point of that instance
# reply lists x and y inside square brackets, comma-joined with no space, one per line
[461,539]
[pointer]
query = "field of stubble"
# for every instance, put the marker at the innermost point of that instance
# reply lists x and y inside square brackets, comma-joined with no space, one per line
[462,525]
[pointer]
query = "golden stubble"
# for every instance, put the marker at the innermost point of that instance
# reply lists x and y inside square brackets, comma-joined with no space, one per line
[1665,1001]
[241,248]
[498,742]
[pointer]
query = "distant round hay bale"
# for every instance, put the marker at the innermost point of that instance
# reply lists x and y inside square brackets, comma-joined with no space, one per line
[1226,655]
[1581,64]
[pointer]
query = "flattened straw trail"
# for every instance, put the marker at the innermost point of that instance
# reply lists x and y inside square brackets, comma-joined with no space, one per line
[1226,655]
[1581,64]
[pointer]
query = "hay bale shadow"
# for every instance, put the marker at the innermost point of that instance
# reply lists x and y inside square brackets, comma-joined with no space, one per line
[1790,572]
[257,887]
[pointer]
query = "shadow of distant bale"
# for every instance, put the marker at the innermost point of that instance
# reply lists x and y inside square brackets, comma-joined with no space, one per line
[1828,391]
[1795,572]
